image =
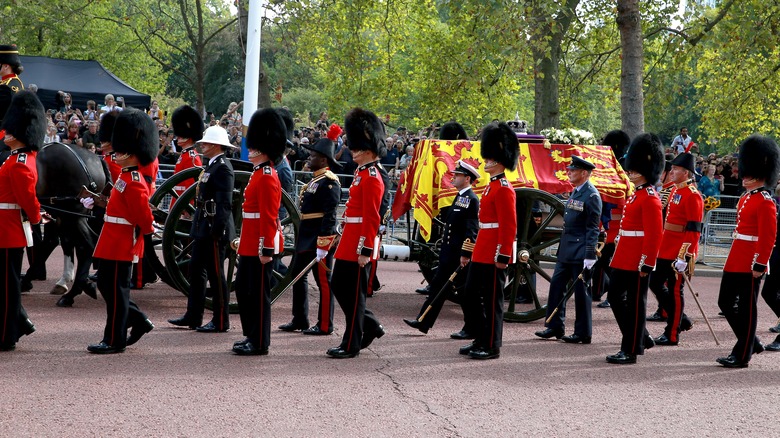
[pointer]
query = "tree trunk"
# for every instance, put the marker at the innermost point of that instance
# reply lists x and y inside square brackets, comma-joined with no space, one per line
[546,108]
[632,101]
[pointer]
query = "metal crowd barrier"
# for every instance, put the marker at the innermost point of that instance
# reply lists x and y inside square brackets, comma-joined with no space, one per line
[716,236]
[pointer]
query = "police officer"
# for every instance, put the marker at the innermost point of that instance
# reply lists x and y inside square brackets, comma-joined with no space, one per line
[576,253]
[319,200]
[754,237]
[121,243]
[461,224]
[359,243]
[636,248]
[24,126]
[188,127]
[261,231]
[682,229]
[212,230]
[493,249]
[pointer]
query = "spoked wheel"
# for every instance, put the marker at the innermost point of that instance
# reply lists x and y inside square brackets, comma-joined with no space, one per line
[177,245]
[539,227]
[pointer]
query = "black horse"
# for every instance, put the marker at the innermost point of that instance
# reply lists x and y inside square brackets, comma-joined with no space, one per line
[62,172]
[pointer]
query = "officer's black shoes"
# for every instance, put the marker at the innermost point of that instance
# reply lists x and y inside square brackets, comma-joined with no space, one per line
[774,346]
[656,317]
[241,342]
[90,289]
[249,349]
[758,347]
[621,358]
[185,322]
[211,328]
[28,328]
[65,301]
[103,348]
[523,299]
[316,331]
[466,349]
[368,338]
[26,285]
[8,346]
[340,353]
[58,290]
[731,362]
[775,329]
[576,339]
[423,290]
[649,342]
[686,323]
[139,330]
[416,324]
[664,340]
[549,333]
[292,326]
[604,305]
[485,353]
[463,334]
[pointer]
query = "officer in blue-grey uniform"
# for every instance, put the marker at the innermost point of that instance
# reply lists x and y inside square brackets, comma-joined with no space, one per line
[576,253]
[462,223]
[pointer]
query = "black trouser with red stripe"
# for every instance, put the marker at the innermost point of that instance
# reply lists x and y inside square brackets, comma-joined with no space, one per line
[349,283]
[143,271]
[628,299]
[13,318]
[207,262]
[300,303]
[121,312]
[740,288]
[601,271]
[667,285]
[253,292]
[373,284]
[484,303]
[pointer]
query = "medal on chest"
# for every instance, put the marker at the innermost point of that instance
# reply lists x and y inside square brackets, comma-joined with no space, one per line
[312,188]
[575,204]
[462,201]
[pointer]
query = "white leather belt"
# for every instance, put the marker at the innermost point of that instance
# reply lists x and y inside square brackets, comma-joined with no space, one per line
[632,233]
[353,220]
[5,206]
[246,215]
[488,225]
[116,220]
[749,238]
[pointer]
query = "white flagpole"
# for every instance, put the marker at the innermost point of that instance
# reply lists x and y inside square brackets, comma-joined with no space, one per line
[252,69]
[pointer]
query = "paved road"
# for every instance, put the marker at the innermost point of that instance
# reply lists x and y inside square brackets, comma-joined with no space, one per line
[180,383]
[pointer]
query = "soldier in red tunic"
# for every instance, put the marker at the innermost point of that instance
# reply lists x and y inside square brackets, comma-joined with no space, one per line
[188,127]
[128,217]
[359,241]
[636,247]
[261,231]
[754,237]
[104,134]
[494,248]
[682,228]
[25,127]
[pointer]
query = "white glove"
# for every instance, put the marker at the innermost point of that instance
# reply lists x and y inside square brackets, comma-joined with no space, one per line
[680,265]
[588,263]
[321,254]
[382,229]
[88,203]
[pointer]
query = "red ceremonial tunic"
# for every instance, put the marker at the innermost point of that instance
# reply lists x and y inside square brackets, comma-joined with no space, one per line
[189,158]
[641,215]
[128,208]
[149,172]
[18,176]
[261,232]
[497,223]
[685,207]
[616,214]
[361,217]
[755,233]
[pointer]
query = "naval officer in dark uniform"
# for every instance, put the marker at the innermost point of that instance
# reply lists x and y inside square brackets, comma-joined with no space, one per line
[212,230]
[576,252]
[462,223]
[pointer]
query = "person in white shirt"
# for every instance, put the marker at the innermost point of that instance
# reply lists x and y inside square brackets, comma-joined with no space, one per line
[681,142]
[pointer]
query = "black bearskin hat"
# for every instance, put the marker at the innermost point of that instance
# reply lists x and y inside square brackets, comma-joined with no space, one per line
[452,131]
[135,133]
[618,140]
[499,143]
[267,133]
[289,123]
[646,157]
[107,123]
[365,132]
[26,119]
[187,123]
[759,158]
